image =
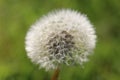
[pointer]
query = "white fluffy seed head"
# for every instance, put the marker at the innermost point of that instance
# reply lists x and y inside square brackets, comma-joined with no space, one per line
[61,37]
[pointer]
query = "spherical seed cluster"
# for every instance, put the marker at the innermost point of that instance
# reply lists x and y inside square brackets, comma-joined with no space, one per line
[61,37]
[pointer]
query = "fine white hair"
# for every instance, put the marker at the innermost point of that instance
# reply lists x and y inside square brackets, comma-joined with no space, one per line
[46,41]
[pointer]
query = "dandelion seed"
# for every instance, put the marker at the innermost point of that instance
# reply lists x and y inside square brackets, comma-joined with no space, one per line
[61,37]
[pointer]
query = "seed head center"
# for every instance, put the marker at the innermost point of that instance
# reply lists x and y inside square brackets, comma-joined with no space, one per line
[61,44]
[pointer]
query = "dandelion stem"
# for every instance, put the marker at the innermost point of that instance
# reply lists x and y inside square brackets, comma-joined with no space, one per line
[56,74]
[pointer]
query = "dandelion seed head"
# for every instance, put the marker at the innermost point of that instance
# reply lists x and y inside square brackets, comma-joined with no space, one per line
[61,37]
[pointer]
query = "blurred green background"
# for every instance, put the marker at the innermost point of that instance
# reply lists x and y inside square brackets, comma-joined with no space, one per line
[16,16]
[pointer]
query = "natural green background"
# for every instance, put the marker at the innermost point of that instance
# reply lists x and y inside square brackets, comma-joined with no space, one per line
[16,16]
